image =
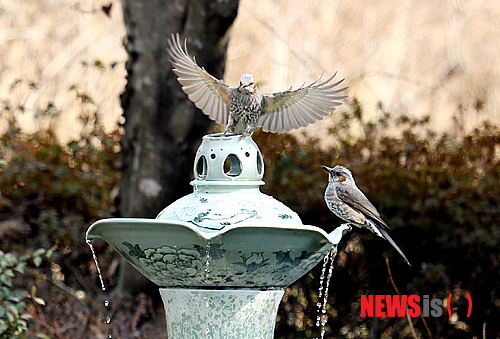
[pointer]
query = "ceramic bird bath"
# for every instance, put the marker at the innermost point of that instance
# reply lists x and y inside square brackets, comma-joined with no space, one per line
[222,255]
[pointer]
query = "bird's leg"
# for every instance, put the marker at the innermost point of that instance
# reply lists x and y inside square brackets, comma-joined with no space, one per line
[248,131]
[229,126]
[229,131]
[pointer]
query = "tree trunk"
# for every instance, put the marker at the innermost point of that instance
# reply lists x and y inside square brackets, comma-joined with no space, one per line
[163,129]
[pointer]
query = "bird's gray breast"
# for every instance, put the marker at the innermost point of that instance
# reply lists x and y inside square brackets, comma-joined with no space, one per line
[340,208]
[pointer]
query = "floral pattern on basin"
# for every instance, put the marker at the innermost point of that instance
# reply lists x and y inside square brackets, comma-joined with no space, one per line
[188,267]
[177,254]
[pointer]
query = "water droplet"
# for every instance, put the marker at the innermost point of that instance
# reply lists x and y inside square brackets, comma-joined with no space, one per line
[108,320]
[322,317]
[321,287]
[96,263]
[207,262]
[106,303]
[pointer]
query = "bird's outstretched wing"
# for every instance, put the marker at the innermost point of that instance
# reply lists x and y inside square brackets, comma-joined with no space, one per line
[284,111]
[207,92]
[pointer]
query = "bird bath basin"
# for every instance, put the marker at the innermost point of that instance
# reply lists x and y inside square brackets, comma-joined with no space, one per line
[222,255]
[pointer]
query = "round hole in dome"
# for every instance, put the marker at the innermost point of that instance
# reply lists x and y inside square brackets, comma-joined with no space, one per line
[213,156]
[201,168]
[260,164]
[247,154]
[232,165]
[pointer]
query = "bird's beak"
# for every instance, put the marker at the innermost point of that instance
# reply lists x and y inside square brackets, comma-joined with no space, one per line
[247,88]
[250,88]
[326,168]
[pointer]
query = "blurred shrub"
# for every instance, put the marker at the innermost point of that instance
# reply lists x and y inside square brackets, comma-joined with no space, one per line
[13,313]
[50,193]
[57,188]
[440,194]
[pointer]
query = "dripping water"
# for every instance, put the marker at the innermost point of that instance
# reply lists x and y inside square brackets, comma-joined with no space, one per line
[206,277]
[207,262]
[106,302]
[322,317]
[108,319]
[89,242]
[321,287]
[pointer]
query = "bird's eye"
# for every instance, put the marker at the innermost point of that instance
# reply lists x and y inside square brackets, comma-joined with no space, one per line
[252,83]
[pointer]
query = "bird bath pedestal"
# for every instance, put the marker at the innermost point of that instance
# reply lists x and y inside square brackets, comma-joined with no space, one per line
[222,255]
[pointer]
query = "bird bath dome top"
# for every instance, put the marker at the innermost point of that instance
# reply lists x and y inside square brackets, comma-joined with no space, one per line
[226,249]
[228,160]
[228,171]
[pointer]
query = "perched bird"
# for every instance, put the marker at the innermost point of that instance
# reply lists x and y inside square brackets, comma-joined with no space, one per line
[346,201]
[242,109]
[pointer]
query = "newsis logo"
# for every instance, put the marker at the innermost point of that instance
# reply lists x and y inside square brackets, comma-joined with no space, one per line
[396,305]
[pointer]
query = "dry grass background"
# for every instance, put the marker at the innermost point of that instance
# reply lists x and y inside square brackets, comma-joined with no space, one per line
[48,42]
[418,57]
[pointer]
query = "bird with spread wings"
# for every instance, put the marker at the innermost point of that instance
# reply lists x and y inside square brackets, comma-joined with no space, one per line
[244,108]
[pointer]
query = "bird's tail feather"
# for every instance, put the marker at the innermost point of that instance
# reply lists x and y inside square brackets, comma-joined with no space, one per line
[386,236]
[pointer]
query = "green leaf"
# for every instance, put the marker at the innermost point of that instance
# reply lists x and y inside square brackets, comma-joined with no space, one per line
[39,301]
[49,253]
[10,259]
[20,306]
[26,316]
[38,252]
[37,261]
[6,280]
[13,310]
[10,317]
[3,326]
[18,295]
[20,267]
[22,325]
